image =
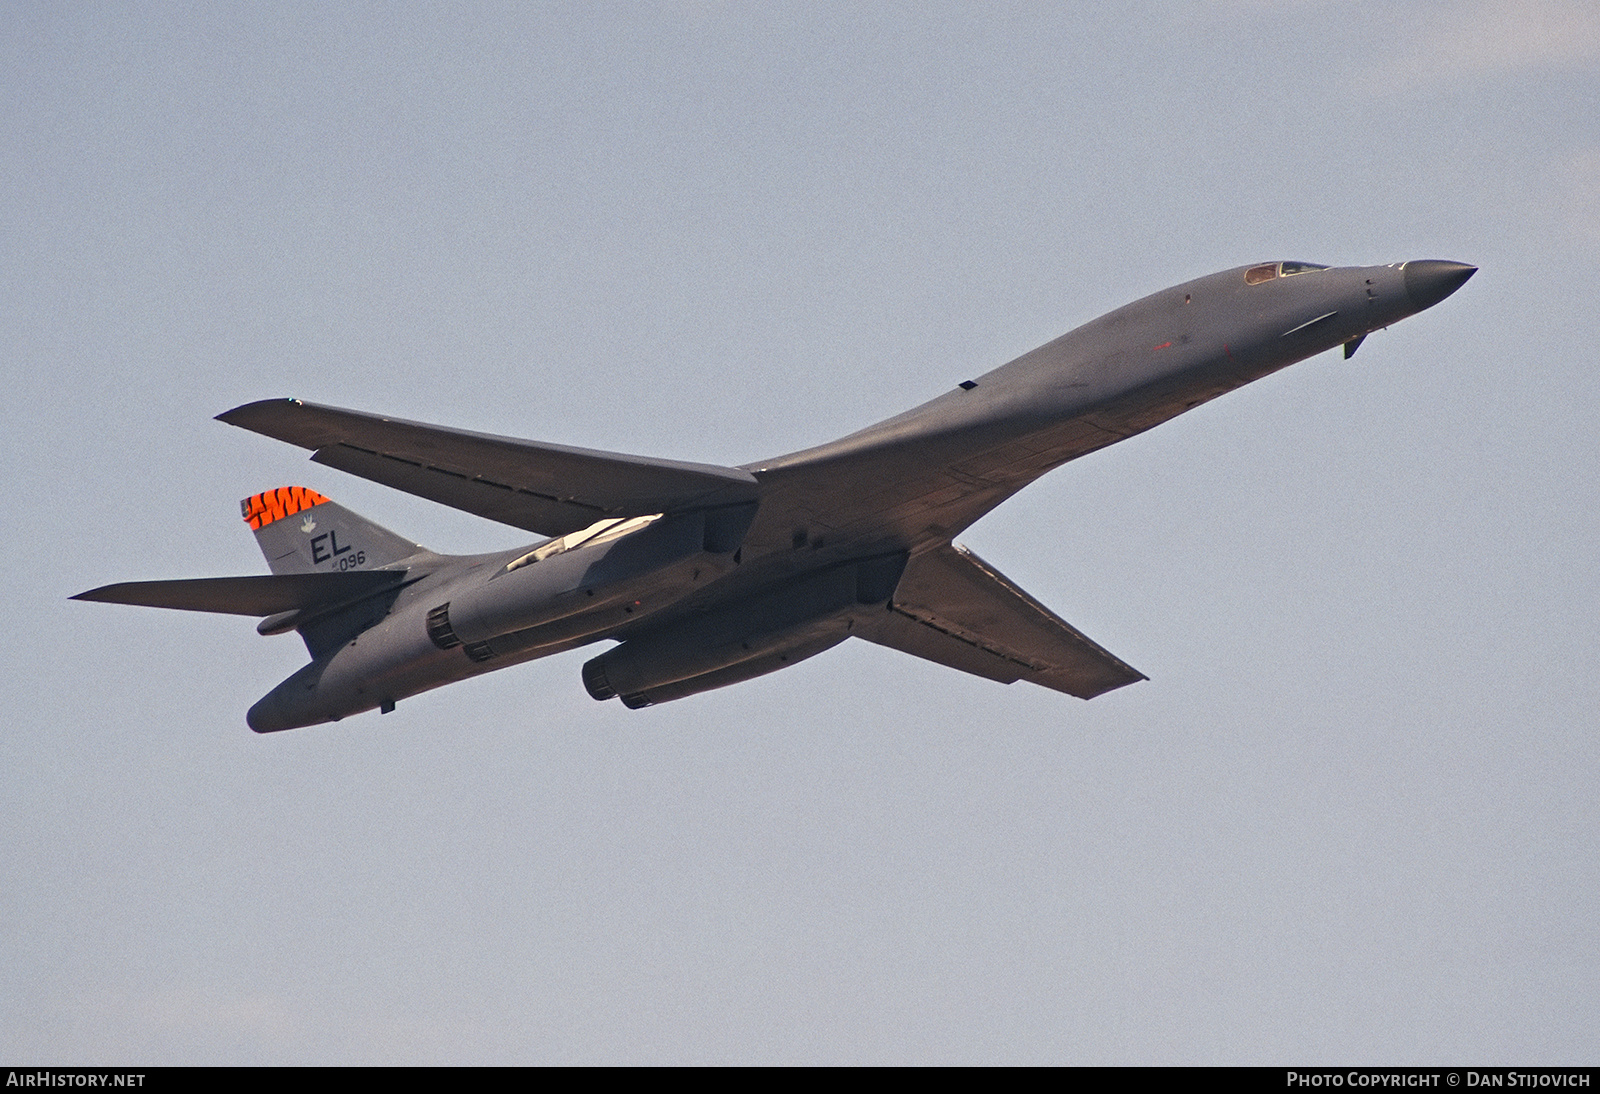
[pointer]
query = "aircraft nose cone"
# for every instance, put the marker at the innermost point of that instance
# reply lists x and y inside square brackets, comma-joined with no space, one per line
[1430,280]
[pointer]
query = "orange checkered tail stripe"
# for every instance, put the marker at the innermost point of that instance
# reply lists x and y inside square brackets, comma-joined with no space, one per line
[261,510]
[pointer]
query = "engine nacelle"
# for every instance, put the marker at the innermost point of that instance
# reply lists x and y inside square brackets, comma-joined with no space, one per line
[644,562]
[754,637]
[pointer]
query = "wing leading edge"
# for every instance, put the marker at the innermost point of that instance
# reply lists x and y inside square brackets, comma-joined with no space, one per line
[549,489]
[956,610]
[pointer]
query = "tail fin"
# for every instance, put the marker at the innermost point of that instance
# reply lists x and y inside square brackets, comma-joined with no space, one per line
[302,532]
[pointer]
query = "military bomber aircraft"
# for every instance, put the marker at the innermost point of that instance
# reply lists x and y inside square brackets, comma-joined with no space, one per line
[708,576]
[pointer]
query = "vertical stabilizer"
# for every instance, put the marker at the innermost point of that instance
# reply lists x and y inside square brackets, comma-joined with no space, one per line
[302,532]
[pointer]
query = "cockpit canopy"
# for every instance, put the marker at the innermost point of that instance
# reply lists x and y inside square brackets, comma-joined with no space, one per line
[1255,275]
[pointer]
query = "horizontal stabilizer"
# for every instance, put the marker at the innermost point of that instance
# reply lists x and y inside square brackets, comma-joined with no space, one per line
[545,488]
[956,610]
[260,595]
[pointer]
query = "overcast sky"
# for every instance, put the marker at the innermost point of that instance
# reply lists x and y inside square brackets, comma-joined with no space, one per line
[1353,815]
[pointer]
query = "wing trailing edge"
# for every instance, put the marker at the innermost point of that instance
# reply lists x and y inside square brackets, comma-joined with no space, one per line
[956,610]
[549,489]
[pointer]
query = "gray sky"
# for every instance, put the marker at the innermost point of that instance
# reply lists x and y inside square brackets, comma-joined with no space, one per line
[1352,816]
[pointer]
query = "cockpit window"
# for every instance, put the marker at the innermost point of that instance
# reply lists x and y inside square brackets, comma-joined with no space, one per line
[1255,275]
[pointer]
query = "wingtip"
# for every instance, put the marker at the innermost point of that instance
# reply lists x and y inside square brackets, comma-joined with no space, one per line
[105,594]
[290,420]
[239,414]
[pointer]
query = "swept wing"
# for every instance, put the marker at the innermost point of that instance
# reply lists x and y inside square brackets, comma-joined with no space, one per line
[549,489]
[953,608]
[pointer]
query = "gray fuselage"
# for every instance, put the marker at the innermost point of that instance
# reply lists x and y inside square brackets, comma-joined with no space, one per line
[894,490]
